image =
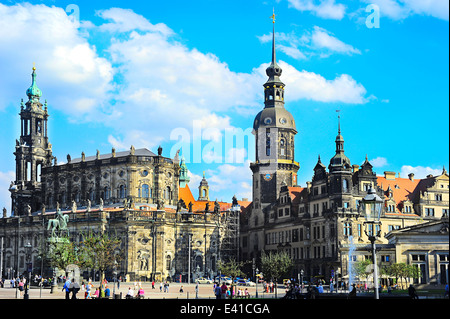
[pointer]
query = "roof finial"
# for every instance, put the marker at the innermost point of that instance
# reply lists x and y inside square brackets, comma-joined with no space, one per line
[274,59]
[339,121]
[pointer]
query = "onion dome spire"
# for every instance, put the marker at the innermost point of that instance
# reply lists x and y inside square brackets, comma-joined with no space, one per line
[33,91]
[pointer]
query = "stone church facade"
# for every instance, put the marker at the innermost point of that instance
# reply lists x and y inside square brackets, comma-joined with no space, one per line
[137,195]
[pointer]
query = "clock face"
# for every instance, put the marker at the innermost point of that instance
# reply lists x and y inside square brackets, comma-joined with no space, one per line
[267,120]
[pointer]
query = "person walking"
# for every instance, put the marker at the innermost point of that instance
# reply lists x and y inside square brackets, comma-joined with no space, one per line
[218,291]
[412,292]
[74,287]
[352,294]
[66,288]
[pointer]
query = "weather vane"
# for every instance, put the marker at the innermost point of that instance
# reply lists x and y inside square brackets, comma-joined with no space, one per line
[273,16]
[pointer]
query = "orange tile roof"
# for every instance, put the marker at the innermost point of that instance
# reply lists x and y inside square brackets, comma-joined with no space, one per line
[199,205]
[402,188]
[294,193]
[185,194]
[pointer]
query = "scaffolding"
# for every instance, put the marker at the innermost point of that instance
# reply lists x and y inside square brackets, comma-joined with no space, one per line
[230,233]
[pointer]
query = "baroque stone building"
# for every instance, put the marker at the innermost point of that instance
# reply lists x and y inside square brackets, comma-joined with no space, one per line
[137,195]
[321,226]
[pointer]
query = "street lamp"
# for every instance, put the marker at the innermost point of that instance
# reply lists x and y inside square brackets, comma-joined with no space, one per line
[372,205]
[256,282]
[27,286]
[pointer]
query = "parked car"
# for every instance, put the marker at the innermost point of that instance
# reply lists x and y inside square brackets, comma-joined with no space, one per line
[203,280]
[250,283]
[227,280]
[241,282]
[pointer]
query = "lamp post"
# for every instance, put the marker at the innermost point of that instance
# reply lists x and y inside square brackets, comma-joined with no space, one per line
[27,286]
[372,205]
[256,282]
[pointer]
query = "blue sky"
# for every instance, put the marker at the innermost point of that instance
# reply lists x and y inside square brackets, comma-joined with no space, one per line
[122,73]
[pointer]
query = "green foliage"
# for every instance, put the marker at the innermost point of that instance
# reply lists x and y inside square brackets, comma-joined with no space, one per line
[61,253]
[361,268]
[99,251]
[402,271]
[231,268]
[276,265]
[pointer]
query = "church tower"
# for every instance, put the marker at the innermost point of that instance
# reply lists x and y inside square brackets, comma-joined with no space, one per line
[203,189]
[274,130]
[340,177]
[33,152]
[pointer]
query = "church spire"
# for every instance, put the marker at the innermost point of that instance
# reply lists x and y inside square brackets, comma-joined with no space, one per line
[274,58]
[274,88]
[33,91]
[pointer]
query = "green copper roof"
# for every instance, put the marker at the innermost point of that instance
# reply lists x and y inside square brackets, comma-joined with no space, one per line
[33,90]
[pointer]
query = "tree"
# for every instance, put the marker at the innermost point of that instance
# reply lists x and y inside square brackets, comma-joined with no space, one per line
[275,265]
[361,268]
[99,251]
[233,269]
[61,253]
[402,271]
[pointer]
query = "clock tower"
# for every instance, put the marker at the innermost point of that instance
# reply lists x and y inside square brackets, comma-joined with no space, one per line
[274,130]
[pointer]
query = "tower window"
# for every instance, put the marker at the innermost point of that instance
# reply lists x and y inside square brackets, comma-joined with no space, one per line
[145,191]
[268,142]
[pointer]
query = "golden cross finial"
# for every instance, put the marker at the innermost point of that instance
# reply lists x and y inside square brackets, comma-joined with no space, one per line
[34,66]
[273,16]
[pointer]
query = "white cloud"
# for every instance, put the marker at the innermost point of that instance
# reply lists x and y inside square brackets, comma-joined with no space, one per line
[379,161]
[420,171]
[327,9]
[312,86]
[162,84]
[315,42]
[322,39]
[68,67]
[402,9]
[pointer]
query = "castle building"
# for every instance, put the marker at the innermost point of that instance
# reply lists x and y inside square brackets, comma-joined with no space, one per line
[320,225]
[141,197]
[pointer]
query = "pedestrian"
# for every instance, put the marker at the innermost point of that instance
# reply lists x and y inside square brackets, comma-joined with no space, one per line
[66,288]
[412,292]
[141,293]
[153,284]
[217,292]
[74,287]
[181,289]
[88,290]
[107,292]
[160,286]
[130,293]
[223,291]
[320,288]
[21,288]
[446,291]
[352,294]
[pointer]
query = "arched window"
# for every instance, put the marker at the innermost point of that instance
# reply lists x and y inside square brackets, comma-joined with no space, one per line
[198,263]
[345,185]
[167,194]
[168,262]
[282,147]
[91,194]
[122,191]
[106,192]
[145,193]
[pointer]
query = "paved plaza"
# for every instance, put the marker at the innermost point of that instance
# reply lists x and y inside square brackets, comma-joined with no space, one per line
[205,291]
